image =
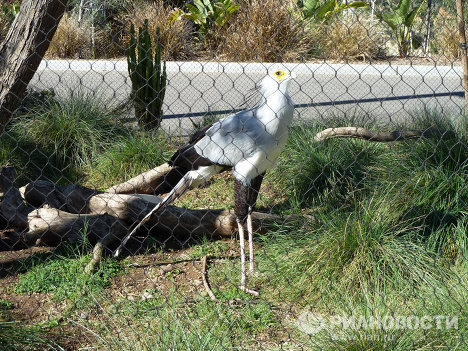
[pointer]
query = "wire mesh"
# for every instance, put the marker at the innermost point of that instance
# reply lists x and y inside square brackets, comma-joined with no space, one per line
[360,223]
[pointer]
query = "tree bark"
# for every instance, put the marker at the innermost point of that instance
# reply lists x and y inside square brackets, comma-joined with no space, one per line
[23,48]
[150,182]
[463,48]
[52,226]
[104,218]
[12,207]
[362,133]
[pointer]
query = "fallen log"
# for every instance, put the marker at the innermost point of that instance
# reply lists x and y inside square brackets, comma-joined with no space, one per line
[150,182]
[174,220]
[12,208]
[70,198]
[52,226]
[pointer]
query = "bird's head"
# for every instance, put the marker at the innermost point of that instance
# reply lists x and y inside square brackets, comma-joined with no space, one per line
[277,80]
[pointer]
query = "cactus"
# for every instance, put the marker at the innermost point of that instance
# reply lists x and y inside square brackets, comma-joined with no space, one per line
[148,79]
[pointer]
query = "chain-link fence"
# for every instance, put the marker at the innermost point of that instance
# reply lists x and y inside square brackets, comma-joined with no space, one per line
[336,150]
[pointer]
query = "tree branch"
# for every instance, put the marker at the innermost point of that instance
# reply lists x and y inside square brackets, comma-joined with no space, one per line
[366,134]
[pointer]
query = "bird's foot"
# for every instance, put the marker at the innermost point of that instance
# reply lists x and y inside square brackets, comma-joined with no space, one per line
[248,291]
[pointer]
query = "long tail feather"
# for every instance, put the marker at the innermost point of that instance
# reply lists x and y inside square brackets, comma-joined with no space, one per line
[182,186]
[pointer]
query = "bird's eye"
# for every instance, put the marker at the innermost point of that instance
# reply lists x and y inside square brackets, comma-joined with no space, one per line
[277,73]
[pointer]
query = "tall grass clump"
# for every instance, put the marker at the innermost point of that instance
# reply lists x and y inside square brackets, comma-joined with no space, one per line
[348,254]
[430,181]
[446,43]
[68,130]
[18,149]
[73,39]
[252,35]
[176,38]
[327,174]
[128,157]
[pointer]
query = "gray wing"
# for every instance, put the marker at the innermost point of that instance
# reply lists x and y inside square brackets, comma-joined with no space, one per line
[234,138]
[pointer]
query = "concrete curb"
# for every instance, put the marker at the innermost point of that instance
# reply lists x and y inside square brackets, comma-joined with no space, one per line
[357,70]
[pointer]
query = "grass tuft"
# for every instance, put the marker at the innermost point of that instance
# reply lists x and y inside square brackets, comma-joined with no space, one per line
[62,134]
[369,249]
[128,157]
[325,174]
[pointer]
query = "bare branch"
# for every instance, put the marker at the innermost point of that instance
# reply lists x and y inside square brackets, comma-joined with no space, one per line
[366,134]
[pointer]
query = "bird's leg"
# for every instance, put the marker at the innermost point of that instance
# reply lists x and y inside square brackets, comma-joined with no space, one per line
[240,226]
[251,200]
[241,192]
[251,249]
[243,285]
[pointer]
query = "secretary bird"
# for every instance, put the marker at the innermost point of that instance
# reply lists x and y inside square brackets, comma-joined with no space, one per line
[248,142]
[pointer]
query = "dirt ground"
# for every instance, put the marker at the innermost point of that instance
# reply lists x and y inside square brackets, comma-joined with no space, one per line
[164,271]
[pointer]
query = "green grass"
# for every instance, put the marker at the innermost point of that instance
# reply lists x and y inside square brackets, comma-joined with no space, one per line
[15,336]
[127,157]
[53,137]
[170,322]
[77,139]
[385,234]
[62,273]
[368,249]
[328,174]
[73,128]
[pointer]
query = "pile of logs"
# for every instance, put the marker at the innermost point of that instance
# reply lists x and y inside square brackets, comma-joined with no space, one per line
[46,213]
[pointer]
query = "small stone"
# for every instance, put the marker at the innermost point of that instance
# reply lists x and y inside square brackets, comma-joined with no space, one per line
[167,268]
[84,315]
[146,296]
[197,282]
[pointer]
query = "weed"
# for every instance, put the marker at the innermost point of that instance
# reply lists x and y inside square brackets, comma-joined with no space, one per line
[5,305]
[63,275]
[16,336]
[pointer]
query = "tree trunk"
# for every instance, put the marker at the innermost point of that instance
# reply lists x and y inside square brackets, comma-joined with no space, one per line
[463,48]
[428,27]
[22,50]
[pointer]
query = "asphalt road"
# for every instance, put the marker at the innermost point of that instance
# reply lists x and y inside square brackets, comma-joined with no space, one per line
[389,93]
